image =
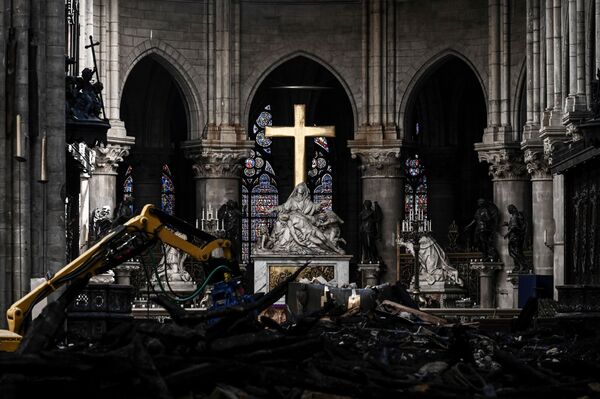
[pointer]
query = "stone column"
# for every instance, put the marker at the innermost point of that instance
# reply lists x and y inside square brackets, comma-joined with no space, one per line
[541,209]
[549,54]
[558,183]
[103,183]
[375,34]
[487,272]
[511,186]
[217,171]
[382,181]
[494,59]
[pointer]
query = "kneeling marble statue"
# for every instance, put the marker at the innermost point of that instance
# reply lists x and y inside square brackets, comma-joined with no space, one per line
[434,265]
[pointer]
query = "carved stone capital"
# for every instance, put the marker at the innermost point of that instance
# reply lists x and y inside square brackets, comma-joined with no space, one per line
[553,137]
[505,162]
[378,162]
[217,161]
[536,163]
[108,157]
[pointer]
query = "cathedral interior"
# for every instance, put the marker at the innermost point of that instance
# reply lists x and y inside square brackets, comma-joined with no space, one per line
[300,198]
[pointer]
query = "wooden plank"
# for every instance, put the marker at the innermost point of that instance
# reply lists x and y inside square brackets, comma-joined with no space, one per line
[421,315]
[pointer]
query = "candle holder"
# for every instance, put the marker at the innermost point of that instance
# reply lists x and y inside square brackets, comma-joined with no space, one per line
[210,222]
[413,228]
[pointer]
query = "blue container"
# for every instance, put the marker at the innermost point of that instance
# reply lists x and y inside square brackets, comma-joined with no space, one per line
[534,286]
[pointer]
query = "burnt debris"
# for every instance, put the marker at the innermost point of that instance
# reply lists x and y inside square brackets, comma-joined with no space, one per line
[390,350]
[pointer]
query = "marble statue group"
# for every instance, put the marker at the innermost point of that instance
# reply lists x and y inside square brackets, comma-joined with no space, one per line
[303,227]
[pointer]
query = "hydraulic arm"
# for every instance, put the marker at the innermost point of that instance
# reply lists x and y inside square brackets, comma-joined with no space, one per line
[119,245]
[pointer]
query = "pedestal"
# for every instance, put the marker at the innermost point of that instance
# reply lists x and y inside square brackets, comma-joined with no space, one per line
[369,274]
[513,280]
[486,270]
[123,272]
[272,269]
[444,293]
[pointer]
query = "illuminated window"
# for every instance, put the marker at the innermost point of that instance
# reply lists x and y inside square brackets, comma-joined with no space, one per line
[320,179]
[128,188]
[167,192]
[259,186]
[415,188]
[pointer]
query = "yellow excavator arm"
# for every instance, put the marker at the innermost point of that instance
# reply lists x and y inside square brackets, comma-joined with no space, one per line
[119,245]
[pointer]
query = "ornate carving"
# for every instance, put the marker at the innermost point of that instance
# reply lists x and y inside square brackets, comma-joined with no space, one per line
[218,162]
[505,163]
[536,163]
[108,157]
[84,155]
[381,162]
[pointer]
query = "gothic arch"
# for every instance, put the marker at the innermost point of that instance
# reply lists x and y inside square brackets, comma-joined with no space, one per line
[182,71]
[426,68]
[518,102]
[258,81]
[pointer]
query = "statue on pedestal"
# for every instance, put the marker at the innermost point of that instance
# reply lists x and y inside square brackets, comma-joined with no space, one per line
[485,221]
[517,230]
[434,263]
[300,227]
[370,231]
[231,216]
[170,267]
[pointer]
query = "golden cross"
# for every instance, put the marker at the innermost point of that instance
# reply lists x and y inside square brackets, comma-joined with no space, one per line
[299,132]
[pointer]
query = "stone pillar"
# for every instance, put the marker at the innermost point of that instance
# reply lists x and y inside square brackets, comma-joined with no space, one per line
[536,63]
[511,186]
[558,245]
[549,54]
[597,42]
[375,35]
[557,43]
[541,209]
[576,103]
[513,284]
[494,59]
[217,171]
[487,272]
[382,181]
[103,184]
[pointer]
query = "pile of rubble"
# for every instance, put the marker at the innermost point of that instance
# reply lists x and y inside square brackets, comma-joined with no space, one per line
[390,351]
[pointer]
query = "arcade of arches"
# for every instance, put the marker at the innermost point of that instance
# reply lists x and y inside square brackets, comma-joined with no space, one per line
[482,100]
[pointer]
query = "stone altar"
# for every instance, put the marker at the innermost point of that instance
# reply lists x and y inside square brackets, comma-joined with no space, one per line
[271,269]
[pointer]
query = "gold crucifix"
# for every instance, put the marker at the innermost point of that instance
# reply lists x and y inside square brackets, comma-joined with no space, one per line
[299,132]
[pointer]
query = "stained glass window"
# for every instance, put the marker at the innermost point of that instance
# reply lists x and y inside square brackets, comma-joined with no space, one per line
[415,189]
[320,178]
[167,194]
[259,186]
[128,188]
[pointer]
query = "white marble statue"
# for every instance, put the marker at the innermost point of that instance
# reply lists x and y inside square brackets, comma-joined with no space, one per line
[435,267]
[171,264]
[303,227]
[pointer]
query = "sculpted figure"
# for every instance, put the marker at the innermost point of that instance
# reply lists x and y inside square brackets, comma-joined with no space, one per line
[434,264]
[331,223]
[485,221]
[517,230]
[369,232]
[297,229]
[170,267]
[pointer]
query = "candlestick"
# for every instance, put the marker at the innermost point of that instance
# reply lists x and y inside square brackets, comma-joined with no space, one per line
[196,222]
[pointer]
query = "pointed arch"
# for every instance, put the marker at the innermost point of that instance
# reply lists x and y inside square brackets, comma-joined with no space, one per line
[426,69]
[520,100]
[259,79]
[182,71]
